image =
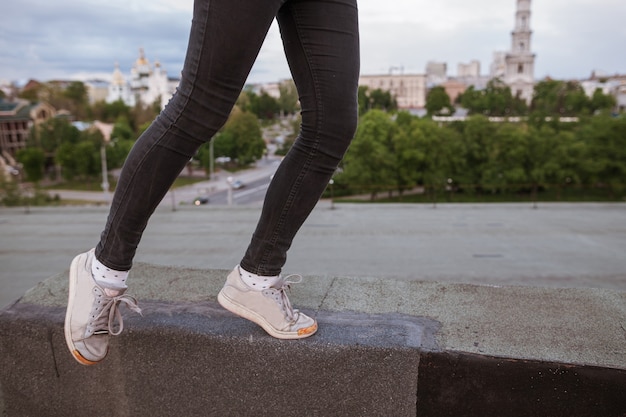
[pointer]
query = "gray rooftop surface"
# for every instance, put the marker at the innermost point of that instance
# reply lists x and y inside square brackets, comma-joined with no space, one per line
[556,245]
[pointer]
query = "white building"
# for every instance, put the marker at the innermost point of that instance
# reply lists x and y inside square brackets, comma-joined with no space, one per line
[97,90]
[119,89]
[409,90]
[610,85]
[468,70]
[520,61]
[436,73]
[147,84]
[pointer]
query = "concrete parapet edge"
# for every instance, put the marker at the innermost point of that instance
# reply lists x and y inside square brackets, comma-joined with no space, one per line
[385,347]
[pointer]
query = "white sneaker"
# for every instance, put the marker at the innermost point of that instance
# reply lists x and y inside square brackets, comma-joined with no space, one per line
[268,308]
[91,313]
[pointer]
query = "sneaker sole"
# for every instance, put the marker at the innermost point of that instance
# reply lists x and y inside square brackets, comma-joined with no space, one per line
[74,266]
[256,318]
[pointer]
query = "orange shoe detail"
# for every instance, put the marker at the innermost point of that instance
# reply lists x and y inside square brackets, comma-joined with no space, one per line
[82,360]
[308,330]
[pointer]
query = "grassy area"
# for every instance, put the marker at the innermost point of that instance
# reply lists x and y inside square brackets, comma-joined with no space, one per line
[79,185]
[552,195]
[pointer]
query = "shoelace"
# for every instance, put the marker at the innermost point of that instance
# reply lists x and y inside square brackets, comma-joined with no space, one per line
[281,286]
[105,323]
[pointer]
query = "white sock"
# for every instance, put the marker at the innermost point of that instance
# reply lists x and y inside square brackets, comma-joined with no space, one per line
[257,282]
[107,277]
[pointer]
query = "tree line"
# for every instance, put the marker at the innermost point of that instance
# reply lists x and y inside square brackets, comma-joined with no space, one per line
[58,150]
[392,151]
[399,152]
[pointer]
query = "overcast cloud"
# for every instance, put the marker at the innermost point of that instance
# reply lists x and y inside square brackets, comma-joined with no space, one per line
[72,39]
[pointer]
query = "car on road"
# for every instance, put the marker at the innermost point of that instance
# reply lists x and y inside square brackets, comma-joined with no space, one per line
[238,184]
[198,201]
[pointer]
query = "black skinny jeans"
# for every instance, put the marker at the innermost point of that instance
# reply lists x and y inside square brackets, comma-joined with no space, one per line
[321,42]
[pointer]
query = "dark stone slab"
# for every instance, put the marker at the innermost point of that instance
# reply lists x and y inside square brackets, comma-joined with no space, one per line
[195,359]
[384,348]
[461,384]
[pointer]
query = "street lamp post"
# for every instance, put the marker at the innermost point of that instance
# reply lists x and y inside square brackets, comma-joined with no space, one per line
[211,160]
[106,130]
[229,180]
[105,172]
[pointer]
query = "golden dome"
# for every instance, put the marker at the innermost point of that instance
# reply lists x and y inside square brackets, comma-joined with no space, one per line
[118,77]
[141,61]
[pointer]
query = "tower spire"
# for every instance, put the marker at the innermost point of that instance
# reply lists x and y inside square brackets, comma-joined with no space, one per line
[520,61]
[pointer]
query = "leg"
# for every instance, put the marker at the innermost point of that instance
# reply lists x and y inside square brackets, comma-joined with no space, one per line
[226,36]
[225,39]
[322,46]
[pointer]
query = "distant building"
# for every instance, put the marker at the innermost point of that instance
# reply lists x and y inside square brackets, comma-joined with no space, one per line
[409,90]
[97,90]
[620,94]
[498,65]
[147,84]
[436,73]
[119,89]
[468,74]
[454,89]
[519,62]
[17,117]
[469,70]
[271,89]
[614,85]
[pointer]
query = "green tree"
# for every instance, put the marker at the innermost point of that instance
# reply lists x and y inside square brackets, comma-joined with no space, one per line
[32,93]
[375,99]
[240,139]
[79,160]
[110,112]
[442,155]
[504,169]
[560,98]
[606,144]
[495,100]
[122,129]
[409,155]
[369,163]
[263,105]
[33,160]
[77,92]
[554,159]
[601,101]
[10,192]
[438,102]
[478,134]
[77,99]
[141,115]
[473,100]
[117,151]
[50,134]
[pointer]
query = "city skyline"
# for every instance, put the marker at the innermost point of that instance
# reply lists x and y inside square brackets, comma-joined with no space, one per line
[84,40]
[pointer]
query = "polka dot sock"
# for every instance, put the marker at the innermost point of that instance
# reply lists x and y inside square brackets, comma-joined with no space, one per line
[108,278]
[257,282]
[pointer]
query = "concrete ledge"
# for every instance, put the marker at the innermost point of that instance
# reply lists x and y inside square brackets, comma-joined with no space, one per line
[385,348]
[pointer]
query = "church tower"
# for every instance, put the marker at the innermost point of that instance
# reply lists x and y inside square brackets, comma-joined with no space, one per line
[119,89]
[520,61]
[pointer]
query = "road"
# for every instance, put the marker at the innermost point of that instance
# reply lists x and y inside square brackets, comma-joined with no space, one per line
[252,193]
[255,180]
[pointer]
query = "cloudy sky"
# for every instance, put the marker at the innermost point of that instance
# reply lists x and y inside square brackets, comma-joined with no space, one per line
[81,39]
